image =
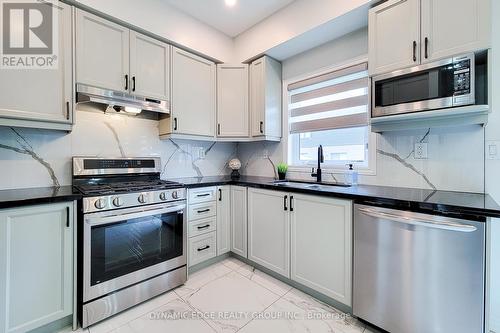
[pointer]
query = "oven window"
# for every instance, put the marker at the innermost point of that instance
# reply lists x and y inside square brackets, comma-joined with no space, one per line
[130,245]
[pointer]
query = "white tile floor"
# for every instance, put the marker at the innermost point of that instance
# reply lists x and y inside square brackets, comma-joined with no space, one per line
[231,296]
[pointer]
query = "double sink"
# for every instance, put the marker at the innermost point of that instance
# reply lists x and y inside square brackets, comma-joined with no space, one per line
[308,185]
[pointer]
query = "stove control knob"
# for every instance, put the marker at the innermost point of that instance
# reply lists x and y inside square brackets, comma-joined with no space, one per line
[163,196]
[175,195]
[100,203]
[118,202]
[142,199]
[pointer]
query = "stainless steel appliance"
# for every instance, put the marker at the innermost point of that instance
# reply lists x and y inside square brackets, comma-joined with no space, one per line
[133,228]
[442,84]
[120,100]
[418,273]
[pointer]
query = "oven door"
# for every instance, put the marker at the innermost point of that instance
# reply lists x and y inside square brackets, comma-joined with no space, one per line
[443,84]
[127,246]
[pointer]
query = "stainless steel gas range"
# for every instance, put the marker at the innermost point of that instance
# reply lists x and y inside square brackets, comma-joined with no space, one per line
[132,231]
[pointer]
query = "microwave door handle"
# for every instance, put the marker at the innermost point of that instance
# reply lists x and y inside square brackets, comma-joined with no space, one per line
[99,220]
[420,221]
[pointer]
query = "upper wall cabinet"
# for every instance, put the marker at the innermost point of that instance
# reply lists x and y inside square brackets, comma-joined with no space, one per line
[232,101]
[149,66]
[394,35]
[110,56]
[102,52]
[265,99]
[403,33]
[193,97]
[41,98]
[451,27]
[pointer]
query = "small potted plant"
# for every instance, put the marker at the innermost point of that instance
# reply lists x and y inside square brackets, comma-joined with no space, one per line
[282,169]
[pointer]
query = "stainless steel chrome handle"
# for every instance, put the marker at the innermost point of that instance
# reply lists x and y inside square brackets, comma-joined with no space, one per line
[430,223]
[99,220]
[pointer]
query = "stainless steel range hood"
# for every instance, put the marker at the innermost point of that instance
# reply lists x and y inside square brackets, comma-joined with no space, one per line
[89,94]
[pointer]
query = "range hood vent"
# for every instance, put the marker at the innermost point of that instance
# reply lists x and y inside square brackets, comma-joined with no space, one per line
[89,94]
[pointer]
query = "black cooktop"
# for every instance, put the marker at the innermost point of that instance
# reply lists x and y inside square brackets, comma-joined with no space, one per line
[107,186]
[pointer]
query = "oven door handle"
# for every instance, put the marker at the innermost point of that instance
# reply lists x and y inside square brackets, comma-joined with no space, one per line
[99,220]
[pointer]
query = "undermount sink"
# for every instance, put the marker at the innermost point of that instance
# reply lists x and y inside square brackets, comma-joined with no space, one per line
[309,185]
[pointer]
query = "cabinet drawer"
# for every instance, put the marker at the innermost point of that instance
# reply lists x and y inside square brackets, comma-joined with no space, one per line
[202,226]
[204,194]
[202,248]
[202,210]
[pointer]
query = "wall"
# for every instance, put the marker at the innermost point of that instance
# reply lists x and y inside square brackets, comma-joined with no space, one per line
[159,18]
[288,23]
[447,167]
[34,158]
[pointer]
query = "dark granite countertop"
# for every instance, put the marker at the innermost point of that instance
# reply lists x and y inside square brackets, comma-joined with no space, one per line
[462,204]
[38,195]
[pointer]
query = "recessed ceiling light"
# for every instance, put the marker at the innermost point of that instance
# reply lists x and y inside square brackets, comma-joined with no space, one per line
[230,3]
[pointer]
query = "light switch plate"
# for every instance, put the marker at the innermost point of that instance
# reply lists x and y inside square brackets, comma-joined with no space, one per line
[493,150]
[420,150]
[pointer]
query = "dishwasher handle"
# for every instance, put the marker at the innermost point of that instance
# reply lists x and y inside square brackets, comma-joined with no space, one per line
[418,221]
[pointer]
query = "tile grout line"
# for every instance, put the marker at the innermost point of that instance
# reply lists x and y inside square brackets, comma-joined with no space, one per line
[261,312]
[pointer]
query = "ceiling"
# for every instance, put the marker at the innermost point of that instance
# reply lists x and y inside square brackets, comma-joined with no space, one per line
[230,20]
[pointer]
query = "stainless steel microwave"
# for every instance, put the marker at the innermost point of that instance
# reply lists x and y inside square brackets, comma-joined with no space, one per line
[438,85]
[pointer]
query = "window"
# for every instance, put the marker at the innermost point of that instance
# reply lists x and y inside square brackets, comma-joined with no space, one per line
[331,110]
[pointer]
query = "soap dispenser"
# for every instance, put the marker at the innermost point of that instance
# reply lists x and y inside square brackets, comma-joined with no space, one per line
[351,175]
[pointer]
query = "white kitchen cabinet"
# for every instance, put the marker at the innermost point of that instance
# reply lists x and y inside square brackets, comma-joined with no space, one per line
[202,248]
[193,96]
[223,219]
[269,230]
[394,36]
[321,245]
[451,27]
[232,101]
[36,266]
[102,52]
[41,98]
[404,33]
[239,220]
[265,98]
[149,67]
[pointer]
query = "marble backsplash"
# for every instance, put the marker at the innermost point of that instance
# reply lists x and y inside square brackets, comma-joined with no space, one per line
[36,158]
[455,160]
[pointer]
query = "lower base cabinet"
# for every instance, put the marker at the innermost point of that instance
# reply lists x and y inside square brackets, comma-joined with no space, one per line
[321,245]
[223,219]
[202,247]
[239,220]
[36,266]
[269,230]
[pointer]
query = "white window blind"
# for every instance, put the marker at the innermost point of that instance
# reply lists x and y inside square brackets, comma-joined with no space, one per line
[337,99]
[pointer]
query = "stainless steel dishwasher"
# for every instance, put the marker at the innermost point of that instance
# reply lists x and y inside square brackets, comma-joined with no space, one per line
[418,273]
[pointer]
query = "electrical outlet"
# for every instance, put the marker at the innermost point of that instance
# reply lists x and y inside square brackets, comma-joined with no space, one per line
[420,150]
[493,150]
[201,153]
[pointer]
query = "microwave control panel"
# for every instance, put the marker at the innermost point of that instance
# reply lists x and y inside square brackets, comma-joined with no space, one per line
[461,78]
